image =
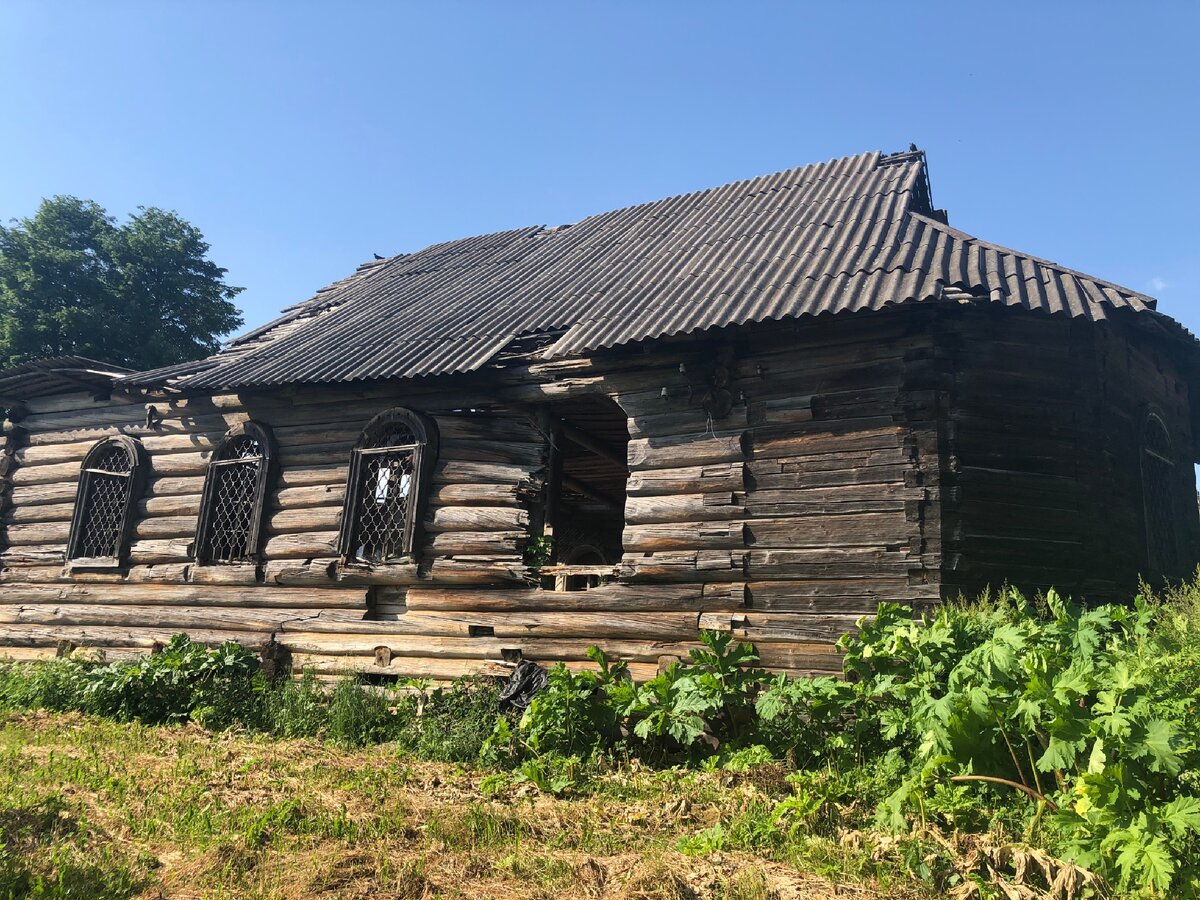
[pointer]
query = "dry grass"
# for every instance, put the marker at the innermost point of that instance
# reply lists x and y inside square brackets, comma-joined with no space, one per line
[180,813]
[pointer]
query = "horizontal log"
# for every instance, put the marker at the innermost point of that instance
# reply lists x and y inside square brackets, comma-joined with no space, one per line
[666,453]
[713,507]
[786,627]
[27,515]
[304,521]
[691,536]
[39,555]
[684,566]
[592,626]
[870,435]
[476,495]
[437,670]
[729,476]
[217,595]
[33,635]
[479,570]
[457,471]
[477,543]
[41,494]
[853,595]
[828,562]
[872,530]
[154,552]
[605,597]
[543,650]
[477,518]
[40,533]
[183,618]
[315,545]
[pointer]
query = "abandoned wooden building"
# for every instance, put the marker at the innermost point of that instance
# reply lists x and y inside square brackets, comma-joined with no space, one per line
[762,408]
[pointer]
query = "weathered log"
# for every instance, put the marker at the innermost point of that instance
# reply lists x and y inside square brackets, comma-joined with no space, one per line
[674,452]
[717,477]
[691,536]
[323,544]
[39,533]
[114,636]
[605,597]
[197,595]
[477,543]
[672,626]
[479,570]
[154,552]
[304,521]
[547,650]
[477,518]
[475,495]
[831,530]
[713,507]
[184,618]
[685,565]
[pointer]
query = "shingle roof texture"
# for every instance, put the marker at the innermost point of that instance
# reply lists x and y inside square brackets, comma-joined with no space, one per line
[852,234]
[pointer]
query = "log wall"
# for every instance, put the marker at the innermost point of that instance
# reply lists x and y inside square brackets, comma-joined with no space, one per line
[783,480]
[782,517]
[1041,455]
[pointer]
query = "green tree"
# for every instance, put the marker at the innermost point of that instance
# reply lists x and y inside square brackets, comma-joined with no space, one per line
[141,294]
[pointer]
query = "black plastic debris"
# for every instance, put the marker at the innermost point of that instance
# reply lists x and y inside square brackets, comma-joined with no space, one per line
[526,680]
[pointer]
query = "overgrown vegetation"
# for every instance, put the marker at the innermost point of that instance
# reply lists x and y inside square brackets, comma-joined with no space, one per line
[1008,747]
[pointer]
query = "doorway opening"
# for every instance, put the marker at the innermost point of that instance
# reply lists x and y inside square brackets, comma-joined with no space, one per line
[584,501]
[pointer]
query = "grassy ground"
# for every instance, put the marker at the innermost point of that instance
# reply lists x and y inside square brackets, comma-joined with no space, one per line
[89,808]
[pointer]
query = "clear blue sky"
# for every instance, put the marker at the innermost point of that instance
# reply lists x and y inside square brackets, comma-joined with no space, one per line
[302,137]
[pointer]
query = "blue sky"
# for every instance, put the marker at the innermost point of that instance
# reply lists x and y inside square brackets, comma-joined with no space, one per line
[302,137]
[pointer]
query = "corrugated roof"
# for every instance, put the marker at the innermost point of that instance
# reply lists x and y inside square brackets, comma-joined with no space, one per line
[851,234]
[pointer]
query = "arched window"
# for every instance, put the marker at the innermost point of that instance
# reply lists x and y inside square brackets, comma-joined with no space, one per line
[235,490]
[110,480]
[1158,496]
[389,471]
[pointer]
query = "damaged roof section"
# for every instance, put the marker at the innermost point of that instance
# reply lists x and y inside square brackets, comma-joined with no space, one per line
[857,233]
[57,375]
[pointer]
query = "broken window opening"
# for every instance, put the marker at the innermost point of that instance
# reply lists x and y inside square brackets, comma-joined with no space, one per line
[384,492]
[583,506]
[110,479]
[229,528]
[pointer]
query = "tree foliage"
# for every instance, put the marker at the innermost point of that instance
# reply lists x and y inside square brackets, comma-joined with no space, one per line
[141,294]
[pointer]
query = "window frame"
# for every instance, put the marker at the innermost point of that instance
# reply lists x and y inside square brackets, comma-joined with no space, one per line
[136,476]
[424,451]
[262,434]
[1161,540]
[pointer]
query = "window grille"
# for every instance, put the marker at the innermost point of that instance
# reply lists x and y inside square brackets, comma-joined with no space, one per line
[109,482]
[231,509]
[1158,495]
[385,487]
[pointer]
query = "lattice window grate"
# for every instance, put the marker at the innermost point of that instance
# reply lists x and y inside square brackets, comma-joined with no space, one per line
[103,522]
[231,516]
[384,495]
[102,503]
[388,471]
[234,493]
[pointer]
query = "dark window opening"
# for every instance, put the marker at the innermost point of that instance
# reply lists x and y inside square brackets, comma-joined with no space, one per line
[389,470]
[584,509]
[231,510]
[109,482]
[1158,495]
